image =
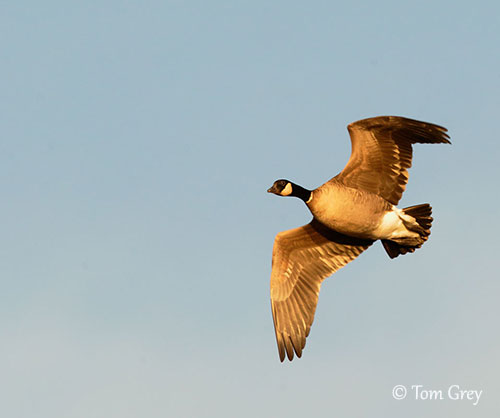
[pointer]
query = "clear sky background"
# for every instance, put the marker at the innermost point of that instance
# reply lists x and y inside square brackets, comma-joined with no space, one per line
[137,143]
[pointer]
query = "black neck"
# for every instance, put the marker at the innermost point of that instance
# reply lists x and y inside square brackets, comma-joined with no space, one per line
[300,192]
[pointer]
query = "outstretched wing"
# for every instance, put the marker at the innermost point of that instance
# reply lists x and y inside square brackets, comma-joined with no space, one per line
[381,153]
[302,259]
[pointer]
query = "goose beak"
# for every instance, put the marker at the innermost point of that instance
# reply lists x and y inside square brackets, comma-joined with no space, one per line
[272,189]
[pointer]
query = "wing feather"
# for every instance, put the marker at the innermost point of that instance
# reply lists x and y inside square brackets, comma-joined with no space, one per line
[302,258]
[381,153]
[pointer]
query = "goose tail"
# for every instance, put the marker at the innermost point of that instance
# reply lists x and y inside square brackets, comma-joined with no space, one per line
[420,222]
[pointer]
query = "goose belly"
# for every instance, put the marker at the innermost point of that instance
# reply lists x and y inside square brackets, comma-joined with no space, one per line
[353,212]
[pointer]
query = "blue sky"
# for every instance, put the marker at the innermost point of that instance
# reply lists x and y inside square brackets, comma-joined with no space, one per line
[137,143]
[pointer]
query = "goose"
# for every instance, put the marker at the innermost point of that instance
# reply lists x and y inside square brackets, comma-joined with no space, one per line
[350,212]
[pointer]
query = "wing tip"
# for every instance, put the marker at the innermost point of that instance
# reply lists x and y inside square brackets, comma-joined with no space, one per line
[287,349]
[384,119]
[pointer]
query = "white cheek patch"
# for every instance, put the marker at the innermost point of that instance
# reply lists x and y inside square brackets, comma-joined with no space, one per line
[287,191]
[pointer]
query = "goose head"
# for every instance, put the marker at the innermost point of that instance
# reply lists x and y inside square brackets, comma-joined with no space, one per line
[281,188]
[287,188]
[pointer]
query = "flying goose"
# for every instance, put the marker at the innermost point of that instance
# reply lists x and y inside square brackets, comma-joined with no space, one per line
[350,212]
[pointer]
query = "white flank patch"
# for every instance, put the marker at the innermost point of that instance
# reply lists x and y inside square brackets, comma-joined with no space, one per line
[390,224]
